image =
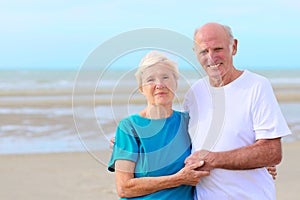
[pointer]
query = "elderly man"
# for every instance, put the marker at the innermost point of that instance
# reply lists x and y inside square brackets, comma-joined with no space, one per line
[235,122]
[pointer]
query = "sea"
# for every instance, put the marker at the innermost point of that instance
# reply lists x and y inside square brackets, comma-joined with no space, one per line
[45,111]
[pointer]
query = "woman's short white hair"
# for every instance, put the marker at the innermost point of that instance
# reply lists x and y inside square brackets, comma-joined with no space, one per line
[153,58]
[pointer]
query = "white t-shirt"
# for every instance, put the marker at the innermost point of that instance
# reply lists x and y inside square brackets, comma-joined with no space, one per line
[234,116]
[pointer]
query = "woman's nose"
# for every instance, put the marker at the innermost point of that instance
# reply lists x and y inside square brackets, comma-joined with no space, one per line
[159,84]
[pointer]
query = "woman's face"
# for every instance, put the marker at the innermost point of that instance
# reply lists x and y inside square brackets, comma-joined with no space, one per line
[159,85]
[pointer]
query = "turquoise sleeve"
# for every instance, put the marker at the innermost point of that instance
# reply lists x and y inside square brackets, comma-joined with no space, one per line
[126,145]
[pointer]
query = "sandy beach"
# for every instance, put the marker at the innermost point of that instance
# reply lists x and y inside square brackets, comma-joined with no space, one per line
[38,115]
[73,176]
[288,179]
[80,176]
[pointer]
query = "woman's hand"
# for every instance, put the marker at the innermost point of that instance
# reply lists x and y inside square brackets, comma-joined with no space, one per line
[189,175]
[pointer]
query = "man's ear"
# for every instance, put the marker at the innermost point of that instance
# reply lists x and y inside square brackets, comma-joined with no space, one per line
[234,46]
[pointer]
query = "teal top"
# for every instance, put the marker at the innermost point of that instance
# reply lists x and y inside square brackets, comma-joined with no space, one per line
[158,147]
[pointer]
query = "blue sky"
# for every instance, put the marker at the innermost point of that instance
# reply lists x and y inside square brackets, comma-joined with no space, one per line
[54,34]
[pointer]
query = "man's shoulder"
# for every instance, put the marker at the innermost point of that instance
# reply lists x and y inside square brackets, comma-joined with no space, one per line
[202,82]
[197,88]
[254,75]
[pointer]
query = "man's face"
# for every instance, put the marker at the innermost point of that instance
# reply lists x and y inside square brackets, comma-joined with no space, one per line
[214,52]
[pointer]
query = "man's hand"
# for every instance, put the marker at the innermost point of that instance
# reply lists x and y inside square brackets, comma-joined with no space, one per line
[199,156]
[208,158]
[272,170]
[262,153]
[111,143]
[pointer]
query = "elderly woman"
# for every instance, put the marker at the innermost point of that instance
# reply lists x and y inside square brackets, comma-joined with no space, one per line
[151,146]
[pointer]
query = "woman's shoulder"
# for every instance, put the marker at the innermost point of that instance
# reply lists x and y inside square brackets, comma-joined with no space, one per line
[127,120]
[183,114]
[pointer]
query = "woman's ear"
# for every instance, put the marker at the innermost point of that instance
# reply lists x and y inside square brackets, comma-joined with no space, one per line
[141,89]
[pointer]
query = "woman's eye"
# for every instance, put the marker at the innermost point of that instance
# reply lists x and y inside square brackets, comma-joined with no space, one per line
[165,77]
[150,80]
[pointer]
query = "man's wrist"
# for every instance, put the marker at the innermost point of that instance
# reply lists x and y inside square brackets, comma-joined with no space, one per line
[215,160]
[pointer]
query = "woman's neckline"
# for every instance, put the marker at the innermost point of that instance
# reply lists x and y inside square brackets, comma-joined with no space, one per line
[162,118]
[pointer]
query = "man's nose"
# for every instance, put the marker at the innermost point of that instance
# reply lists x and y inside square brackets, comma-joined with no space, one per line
[211,55]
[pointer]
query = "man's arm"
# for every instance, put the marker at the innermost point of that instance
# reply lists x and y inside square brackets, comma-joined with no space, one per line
[264,152]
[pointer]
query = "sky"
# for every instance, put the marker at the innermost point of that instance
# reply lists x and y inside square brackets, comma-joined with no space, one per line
[55,34]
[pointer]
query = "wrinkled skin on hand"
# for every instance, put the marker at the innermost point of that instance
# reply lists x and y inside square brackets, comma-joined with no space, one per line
[190,175]
[208,158]
[202,155]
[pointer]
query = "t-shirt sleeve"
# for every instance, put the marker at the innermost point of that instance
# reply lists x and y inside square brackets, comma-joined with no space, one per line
[125,146]
[186,102]
[268,120]
[189,100]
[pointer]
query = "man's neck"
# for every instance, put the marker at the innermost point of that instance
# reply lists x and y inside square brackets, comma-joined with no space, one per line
[226,79]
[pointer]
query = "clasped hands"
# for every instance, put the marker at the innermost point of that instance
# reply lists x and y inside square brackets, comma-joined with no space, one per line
[195,168]
[207,158]
[198,156]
